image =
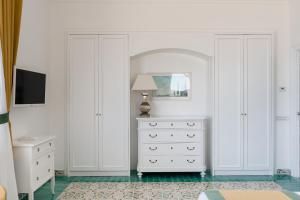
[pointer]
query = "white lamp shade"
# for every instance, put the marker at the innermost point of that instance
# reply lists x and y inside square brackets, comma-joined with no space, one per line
[144,82]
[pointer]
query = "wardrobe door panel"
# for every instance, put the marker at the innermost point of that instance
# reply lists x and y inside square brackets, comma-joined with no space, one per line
[115,102]
[229,137]
[258,92]
[83,125]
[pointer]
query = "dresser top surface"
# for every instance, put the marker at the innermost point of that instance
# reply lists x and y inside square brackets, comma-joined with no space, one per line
[171,118]
[31,141]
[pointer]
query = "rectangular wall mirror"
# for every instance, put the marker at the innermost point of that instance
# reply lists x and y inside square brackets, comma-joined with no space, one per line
[172,86]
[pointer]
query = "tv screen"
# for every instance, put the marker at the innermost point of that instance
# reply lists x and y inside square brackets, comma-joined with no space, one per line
[30,87]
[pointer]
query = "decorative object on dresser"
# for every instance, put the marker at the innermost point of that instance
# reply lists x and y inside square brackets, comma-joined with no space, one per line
[171,144]
[34,163]
[144,82]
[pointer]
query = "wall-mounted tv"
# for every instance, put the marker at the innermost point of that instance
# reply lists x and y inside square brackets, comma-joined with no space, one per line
[30,87]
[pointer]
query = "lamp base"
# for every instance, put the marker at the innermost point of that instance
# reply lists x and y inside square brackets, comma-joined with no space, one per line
[145,115]
[145,106]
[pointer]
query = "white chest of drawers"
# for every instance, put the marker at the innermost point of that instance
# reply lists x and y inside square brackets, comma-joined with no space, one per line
[34,163]
[171,144]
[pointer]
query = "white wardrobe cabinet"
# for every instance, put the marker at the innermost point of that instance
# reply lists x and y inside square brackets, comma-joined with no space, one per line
[243,139]
[98,103]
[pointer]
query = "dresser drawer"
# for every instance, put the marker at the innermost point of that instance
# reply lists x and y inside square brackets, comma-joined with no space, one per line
[170,124]
[179,162]
[43,169]
[173,149]
[42,148]
[170,136]
[39,178]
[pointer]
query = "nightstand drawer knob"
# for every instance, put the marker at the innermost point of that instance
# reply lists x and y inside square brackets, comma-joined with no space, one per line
[37,162]
[153,161]
[153,148]
[49,170]
[50,144]
[49,156]
[190,124]
[37,178]
[191,148]
[190,161]
[153,124]
[190,136]
[38,149]
[153,136]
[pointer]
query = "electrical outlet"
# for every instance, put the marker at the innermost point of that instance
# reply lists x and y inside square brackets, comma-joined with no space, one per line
[283,171]
[59,173]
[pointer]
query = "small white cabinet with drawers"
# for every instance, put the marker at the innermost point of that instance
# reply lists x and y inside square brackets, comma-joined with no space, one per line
[34,163]
[171,144]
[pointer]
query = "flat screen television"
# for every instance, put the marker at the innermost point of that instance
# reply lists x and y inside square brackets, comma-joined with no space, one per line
[30,87]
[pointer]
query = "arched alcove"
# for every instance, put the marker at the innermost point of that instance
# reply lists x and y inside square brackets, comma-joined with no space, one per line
[172,51]
[171,60]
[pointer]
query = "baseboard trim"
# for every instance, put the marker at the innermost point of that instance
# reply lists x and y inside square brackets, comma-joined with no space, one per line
[246,172]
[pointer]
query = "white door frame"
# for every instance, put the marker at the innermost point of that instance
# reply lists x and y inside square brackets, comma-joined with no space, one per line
[294,109]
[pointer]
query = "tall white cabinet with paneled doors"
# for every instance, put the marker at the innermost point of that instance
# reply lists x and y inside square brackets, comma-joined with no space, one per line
[98,105]
[243,121]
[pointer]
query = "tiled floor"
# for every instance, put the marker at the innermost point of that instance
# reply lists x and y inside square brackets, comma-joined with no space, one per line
[286,182]
[154,190]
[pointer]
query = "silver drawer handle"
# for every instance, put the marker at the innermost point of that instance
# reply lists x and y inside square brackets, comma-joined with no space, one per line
[153,161]
[190,136]
[50,144]
[153,136]
[191,148]
[37,178]
[190,161]
[49,170]
[153,149]
[49,156]
[190,124]
[37,162]
[38,149]
[153,124]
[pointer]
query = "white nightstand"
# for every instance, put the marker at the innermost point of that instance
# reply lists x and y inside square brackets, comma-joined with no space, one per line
[34,163]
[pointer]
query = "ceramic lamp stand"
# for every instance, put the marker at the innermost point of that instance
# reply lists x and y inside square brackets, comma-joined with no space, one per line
[145,106]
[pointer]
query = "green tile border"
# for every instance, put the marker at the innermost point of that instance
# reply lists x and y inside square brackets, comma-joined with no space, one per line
[4,118]
[214,195]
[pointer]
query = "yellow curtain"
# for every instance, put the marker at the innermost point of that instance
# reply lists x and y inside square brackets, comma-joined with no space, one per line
[10,20]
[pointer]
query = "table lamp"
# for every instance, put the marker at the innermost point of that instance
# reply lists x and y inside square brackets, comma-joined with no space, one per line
[144,83]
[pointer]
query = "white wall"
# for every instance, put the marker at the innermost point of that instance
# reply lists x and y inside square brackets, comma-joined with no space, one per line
[294,88]
[295,22]
[33,55]
[180,17]
[177,63]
